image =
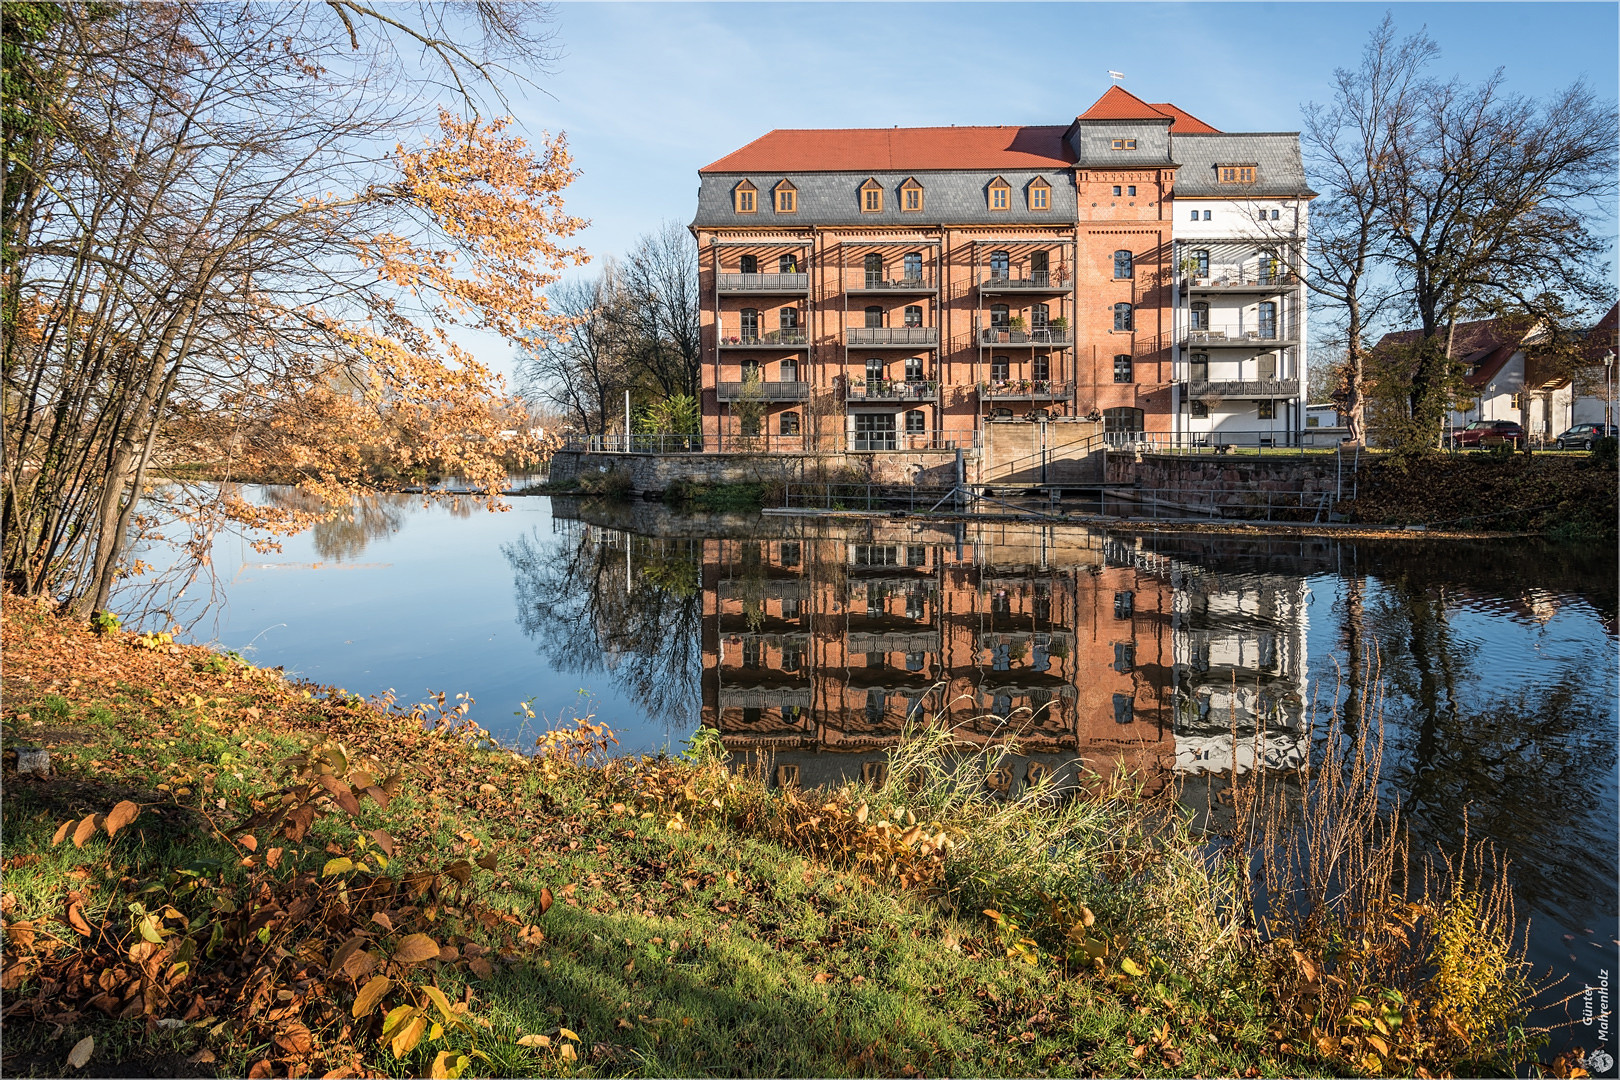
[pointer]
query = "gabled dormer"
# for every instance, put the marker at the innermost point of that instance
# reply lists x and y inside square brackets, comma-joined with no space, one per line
[911,196]
[1038,194]
[787,198]
[998,194]
[871,196]
[745,198]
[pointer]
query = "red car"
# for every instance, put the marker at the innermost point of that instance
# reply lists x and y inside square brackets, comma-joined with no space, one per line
[1486,433]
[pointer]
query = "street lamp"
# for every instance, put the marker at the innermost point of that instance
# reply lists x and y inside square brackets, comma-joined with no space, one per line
[1608,391]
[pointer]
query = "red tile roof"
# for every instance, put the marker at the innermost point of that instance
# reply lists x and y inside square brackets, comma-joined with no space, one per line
[1482,347]
[898,149]
[1119,103]
[1600,340]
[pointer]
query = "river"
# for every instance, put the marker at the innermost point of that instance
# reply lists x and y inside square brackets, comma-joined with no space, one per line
[1176,655]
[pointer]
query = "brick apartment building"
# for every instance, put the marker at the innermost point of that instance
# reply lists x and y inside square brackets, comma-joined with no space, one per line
[900,288]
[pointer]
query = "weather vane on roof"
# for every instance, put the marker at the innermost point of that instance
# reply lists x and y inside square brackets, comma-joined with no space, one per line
[1117,76]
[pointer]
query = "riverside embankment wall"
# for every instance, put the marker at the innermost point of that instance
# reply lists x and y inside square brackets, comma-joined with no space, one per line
[1236,482]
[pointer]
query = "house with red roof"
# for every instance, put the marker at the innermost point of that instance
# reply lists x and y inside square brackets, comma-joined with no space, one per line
[902,290]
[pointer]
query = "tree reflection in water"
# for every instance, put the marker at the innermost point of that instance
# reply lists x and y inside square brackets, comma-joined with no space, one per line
[608,601]
[344,535]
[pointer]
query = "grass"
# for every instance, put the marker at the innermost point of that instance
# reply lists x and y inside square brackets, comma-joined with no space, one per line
[600,915]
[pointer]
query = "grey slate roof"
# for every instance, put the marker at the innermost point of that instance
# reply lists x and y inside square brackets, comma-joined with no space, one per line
[1092,142]
[1279,171]
[829,198]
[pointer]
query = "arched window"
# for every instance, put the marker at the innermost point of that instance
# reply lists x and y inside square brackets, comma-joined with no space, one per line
[1000,315]
[1199,316]
[913,315]
[749,264]
[787,264]
[914,369]
[1122,420]
[789,318]
[1040,367]
[1040,316]
[790,423]
[1000,265]
[874,316]
[1122,264]
[1000,369]
[916,422]
[874,270]
[913,266]
[874,369]
[1122,317]
[750,324]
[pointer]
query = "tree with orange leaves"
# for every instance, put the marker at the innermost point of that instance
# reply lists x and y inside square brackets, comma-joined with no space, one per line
[214,249]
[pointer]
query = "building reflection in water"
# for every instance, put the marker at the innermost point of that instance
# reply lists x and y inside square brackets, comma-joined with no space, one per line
[1094,655]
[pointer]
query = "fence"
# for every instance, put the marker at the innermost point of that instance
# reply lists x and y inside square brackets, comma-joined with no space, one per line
[1243,502]
[839,442]
[1267,443]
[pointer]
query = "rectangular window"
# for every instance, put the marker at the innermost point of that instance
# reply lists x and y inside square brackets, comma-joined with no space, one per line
[1039,198]
[873,200]
[1123,369]
[1040,368]
[791,553]
[916,554]
[998,198]
[1124,656]
[875,431]
[1266,410]
[745,202]
[1206,215]
[1123,144]
[1131,190]
[1116,189]
[1274,215]
[1195,215]
[1237,174]
[913,198]
[785,203]
[1199,409]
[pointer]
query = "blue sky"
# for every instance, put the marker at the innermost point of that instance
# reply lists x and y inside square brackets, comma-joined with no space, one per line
[650,93]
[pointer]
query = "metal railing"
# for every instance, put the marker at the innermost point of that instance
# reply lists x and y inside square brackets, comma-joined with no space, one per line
[1035,283]
[729,443]
[1241,279]
[892,390]
[760,390]
[1024,390]
[1282,333]
[1240,502]
[893,335]
[871,442]
[1002,335]
[1243,387]
[903,284]
[1264,442]
[764,283]
[774,337]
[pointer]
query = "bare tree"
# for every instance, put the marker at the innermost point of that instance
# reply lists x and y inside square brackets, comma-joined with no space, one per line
[659,312]
[1347,143]
[582,373]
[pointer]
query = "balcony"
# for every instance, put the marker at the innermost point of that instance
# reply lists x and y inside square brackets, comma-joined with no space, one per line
[1050,337]
[1266,337]
[876,285]
[914,337]
[758,284]
[1240,281]
[760,390]
[775,339]
[1243,388]
[892,390]
[1035,283]
[921,641]
[1024,390]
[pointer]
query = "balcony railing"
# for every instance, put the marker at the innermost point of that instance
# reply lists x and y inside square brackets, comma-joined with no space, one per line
[1034,283]
[764,283]
[892,390]
[1243,337]
[894,285]
[1243,388]
[760,390]
[894,335]
[788,338]
[1050,336]
[1247,280]
[1024,390]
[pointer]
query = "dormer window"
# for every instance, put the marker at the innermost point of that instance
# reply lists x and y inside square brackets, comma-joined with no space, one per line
[787,198]
[1122,144]
[871,197]
[1000,194]
[1040,194]
[911,196]
[746,198]
[1236,174]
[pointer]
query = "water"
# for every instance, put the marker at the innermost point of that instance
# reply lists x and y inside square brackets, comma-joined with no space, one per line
[1164,653]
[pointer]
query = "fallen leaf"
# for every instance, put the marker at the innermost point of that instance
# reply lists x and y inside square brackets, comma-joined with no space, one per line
[368,997]
[416,948]
[79,1056]
[121,815]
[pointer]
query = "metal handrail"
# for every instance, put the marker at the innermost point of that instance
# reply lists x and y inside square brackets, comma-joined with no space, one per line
[1281,334]
[1243,387]
[1024,388]
[1001,335]
[893,390]
[901,284]
[765,282]
[765,391]
[893,335]
[772,337]
[1034,281]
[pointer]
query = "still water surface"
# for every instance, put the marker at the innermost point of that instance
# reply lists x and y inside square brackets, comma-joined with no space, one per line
[1174,655]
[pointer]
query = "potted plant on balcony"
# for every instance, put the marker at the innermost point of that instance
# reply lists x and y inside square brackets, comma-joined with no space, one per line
[1060,325]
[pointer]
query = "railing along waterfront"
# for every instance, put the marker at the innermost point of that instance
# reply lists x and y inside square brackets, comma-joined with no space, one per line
[728,443]
[1247,442]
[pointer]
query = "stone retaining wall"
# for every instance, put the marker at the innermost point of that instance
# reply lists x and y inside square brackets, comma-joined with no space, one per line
[1228,480]
[653,473]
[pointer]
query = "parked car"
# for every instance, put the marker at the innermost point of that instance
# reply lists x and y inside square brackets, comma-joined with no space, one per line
[1487,433]
[1584,436]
